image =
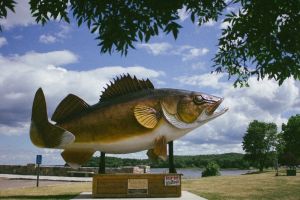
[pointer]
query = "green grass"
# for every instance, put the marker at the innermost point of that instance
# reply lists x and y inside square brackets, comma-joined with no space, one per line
[255,186]
[264,186]
[61,191]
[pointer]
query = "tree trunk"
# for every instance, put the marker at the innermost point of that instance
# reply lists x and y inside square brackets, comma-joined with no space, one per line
[261,166]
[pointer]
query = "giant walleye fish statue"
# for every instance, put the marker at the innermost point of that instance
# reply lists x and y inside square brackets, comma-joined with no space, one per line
[131,116]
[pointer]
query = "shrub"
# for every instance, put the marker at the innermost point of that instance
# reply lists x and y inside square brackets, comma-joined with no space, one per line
[211,169]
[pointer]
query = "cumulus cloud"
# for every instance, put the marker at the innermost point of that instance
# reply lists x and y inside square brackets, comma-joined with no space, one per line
[186,52]
[192,52]
[203,80]
[210,23]
[21,16]
[183,14]
[47,39]
[156,48]
[3,41]
[199,65]
[224,25]
[22,75]
[263,100]
[63,33]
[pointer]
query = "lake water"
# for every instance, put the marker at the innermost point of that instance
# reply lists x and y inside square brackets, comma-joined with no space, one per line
[196,173]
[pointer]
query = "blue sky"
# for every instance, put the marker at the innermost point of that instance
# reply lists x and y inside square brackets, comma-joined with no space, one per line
[62,58]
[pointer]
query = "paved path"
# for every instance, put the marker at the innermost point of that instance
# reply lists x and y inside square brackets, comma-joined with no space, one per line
[9,181]
[17,183]
[185,196]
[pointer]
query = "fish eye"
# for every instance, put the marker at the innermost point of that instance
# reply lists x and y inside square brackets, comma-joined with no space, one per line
[198,99]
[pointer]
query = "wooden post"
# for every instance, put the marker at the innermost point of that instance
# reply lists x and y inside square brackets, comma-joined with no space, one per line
[102,163]
[171,158]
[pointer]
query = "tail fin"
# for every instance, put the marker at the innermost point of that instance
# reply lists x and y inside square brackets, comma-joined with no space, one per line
[42,132]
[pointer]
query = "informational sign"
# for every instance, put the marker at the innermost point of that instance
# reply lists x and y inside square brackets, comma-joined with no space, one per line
[38,159]
[172,180]
[137,186]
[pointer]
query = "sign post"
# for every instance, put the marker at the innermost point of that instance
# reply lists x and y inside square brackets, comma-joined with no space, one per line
[38,162]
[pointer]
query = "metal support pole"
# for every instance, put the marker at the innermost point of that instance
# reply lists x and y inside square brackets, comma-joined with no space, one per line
[102,163]
[38,176]
[171,158]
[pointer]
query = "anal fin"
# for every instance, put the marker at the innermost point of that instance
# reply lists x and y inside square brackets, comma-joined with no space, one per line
[77,157]
[151,155]
[159,150]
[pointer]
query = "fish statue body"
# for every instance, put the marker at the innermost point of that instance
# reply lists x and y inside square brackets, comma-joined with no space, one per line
[131,116]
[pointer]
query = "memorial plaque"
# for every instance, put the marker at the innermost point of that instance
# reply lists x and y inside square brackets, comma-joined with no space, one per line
[137,186]
[172,180]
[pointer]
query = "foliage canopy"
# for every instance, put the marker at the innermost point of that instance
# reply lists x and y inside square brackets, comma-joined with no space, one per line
[261,40]
[211,169]
[260,142]
[291,138]
[228,160]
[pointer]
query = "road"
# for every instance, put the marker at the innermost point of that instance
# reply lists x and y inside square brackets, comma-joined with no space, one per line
[6,183]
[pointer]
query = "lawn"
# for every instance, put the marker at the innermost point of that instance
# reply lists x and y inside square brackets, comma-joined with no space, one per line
[255,186]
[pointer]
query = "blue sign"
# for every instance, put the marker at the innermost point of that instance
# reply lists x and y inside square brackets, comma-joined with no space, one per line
[38,159]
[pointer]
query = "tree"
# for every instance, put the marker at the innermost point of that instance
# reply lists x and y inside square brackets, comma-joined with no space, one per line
[259,143]
[211,169]
[261,40]
[291,138]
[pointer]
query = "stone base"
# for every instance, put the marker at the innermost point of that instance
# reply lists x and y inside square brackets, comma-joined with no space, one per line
[136,185]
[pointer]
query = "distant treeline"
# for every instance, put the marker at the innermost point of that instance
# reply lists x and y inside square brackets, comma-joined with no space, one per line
[228,160]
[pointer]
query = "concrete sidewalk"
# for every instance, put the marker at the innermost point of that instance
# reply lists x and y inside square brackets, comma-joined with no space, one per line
[185,196]
[50,178]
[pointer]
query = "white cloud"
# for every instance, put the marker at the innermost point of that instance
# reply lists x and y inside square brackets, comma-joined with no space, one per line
[156,48]
[224,25]
[199,65]
[22,75]
[47,39]
[186,52]
[63,33]
[18,37]
[3,41]
[210,23]
[21,17]
[263,100]
[204,80]
[183,14]
[194,53]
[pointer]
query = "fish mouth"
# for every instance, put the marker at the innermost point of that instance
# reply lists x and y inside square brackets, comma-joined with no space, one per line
[211,113]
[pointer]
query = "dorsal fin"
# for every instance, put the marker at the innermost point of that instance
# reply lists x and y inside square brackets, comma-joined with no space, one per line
[69,106]
[124,85]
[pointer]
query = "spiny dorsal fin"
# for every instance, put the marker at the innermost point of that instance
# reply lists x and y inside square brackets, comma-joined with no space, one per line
[124,85]
[69,106]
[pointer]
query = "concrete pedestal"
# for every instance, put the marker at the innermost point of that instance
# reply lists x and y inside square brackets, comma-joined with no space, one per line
[136,185]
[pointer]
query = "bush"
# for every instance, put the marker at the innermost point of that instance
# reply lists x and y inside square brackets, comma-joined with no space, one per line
[211,169]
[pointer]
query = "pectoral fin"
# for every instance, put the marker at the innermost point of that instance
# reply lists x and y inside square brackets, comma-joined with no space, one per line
[146,116]
[77,157]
